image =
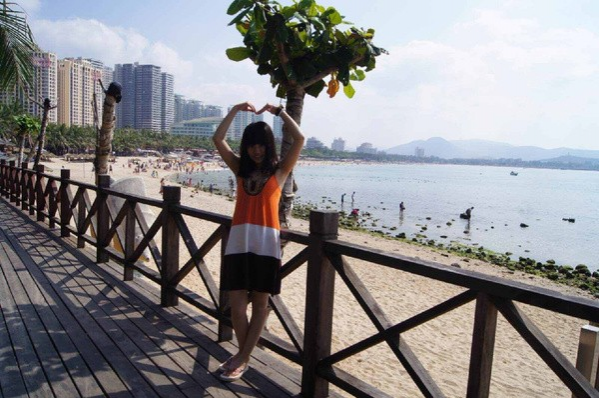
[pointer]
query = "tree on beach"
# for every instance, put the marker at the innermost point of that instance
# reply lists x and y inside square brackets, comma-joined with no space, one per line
[299,46]
[16,48]
[26,125]
[112,96]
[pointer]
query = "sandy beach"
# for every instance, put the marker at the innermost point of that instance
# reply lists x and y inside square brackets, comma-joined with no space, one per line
[442,345]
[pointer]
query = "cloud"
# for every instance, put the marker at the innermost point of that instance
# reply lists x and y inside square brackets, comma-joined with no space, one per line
[90,38]
[495,77]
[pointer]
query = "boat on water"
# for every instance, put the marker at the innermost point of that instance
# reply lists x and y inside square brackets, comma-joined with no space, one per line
[513,173]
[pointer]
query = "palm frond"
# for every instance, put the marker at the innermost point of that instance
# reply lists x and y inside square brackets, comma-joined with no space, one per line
[16,47]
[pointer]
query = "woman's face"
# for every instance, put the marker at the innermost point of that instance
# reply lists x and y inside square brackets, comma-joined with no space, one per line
[256,152]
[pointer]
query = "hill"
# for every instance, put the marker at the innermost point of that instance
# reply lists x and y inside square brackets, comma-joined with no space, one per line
[482,149]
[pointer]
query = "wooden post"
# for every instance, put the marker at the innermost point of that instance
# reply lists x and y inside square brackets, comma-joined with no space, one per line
[170,247]
[11,181]
[129,244]
[24,192]
[320,292]
[587,359]
[483,343]
[225,332]
[19,186]
[52,203]
[65,205]
[103,222]
[81,212]
[39,193]
[2,177]
[31,191]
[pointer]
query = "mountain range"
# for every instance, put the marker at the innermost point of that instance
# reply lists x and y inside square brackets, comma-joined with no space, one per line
[482,149]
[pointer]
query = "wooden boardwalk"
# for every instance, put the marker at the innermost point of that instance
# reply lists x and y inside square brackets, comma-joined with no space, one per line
[70,327]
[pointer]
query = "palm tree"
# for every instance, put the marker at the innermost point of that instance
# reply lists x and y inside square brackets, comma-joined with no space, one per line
[16,48]
[26,125]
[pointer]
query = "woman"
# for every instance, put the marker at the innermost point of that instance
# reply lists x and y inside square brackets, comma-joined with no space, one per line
[253,253]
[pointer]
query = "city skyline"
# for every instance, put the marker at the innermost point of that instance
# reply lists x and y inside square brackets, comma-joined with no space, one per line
[523,72]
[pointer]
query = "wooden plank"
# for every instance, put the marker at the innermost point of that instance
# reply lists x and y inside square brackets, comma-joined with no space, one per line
[51,361]
[28,363]
[11,382]
[111,356]
[67,351]
[84,347]
[140,372]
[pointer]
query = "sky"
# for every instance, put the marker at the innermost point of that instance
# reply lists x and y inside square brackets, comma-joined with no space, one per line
[522,72]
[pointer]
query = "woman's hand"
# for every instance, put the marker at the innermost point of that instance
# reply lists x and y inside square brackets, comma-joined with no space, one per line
[245,107]
[275,110]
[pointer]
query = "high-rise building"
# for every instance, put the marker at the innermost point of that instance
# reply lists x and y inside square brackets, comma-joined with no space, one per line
[125,110]
[187,109]
[212,111]
[240,122]
[80,90]
[168,102]
[148,97]
[44,86]
[277,127]
[338,145]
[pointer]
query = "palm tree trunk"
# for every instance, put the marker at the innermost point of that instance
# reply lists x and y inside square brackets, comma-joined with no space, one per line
[42,136]
[104,147]
[295,108]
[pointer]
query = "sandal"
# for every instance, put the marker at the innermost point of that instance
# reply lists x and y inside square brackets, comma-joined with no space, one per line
[235,374]
[223,367]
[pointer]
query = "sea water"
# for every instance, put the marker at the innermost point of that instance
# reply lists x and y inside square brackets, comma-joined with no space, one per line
[435,195]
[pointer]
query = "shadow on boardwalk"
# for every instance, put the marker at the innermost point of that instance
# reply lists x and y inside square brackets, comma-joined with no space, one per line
[70,327]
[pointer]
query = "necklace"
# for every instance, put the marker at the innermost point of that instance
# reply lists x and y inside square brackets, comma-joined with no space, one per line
[256,181]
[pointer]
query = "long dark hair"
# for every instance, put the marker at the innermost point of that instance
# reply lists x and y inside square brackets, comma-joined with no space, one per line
[257,133]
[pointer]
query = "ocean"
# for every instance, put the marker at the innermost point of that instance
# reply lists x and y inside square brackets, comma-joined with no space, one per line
[435,195]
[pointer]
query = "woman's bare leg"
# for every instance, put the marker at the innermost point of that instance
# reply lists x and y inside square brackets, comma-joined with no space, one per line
[239,304]
[260,313]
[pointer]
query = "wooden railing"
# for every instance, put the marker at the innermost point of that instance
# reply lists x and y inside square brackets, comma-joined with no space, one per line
[82,210]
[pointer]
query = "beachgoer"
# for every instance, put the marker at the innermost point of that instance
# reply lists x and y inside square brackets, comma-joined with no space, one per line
[355,213]
[401,206]
[161,185]
[252,257]
[343,198]
[467,214]
[352,196]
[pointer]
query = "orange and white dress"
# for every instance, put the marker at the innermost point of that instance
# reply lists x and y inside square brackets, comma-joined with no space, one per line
[253,253]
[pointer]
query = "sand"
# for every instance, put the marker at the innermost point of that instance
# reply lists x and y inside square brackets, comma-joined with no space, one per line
[442,345]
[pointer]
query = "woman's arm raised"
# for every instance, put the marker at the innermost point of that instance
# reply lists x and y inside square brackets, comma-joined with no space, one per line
[287,163]
[225,151]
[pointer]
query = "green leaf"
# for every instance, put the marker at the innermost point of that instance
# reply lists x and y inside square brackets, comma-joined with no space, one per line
[349,90]
[281,91]
[315,89]
[333,15]
[358,75]
[237,5]
[238,53]
[239,17]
